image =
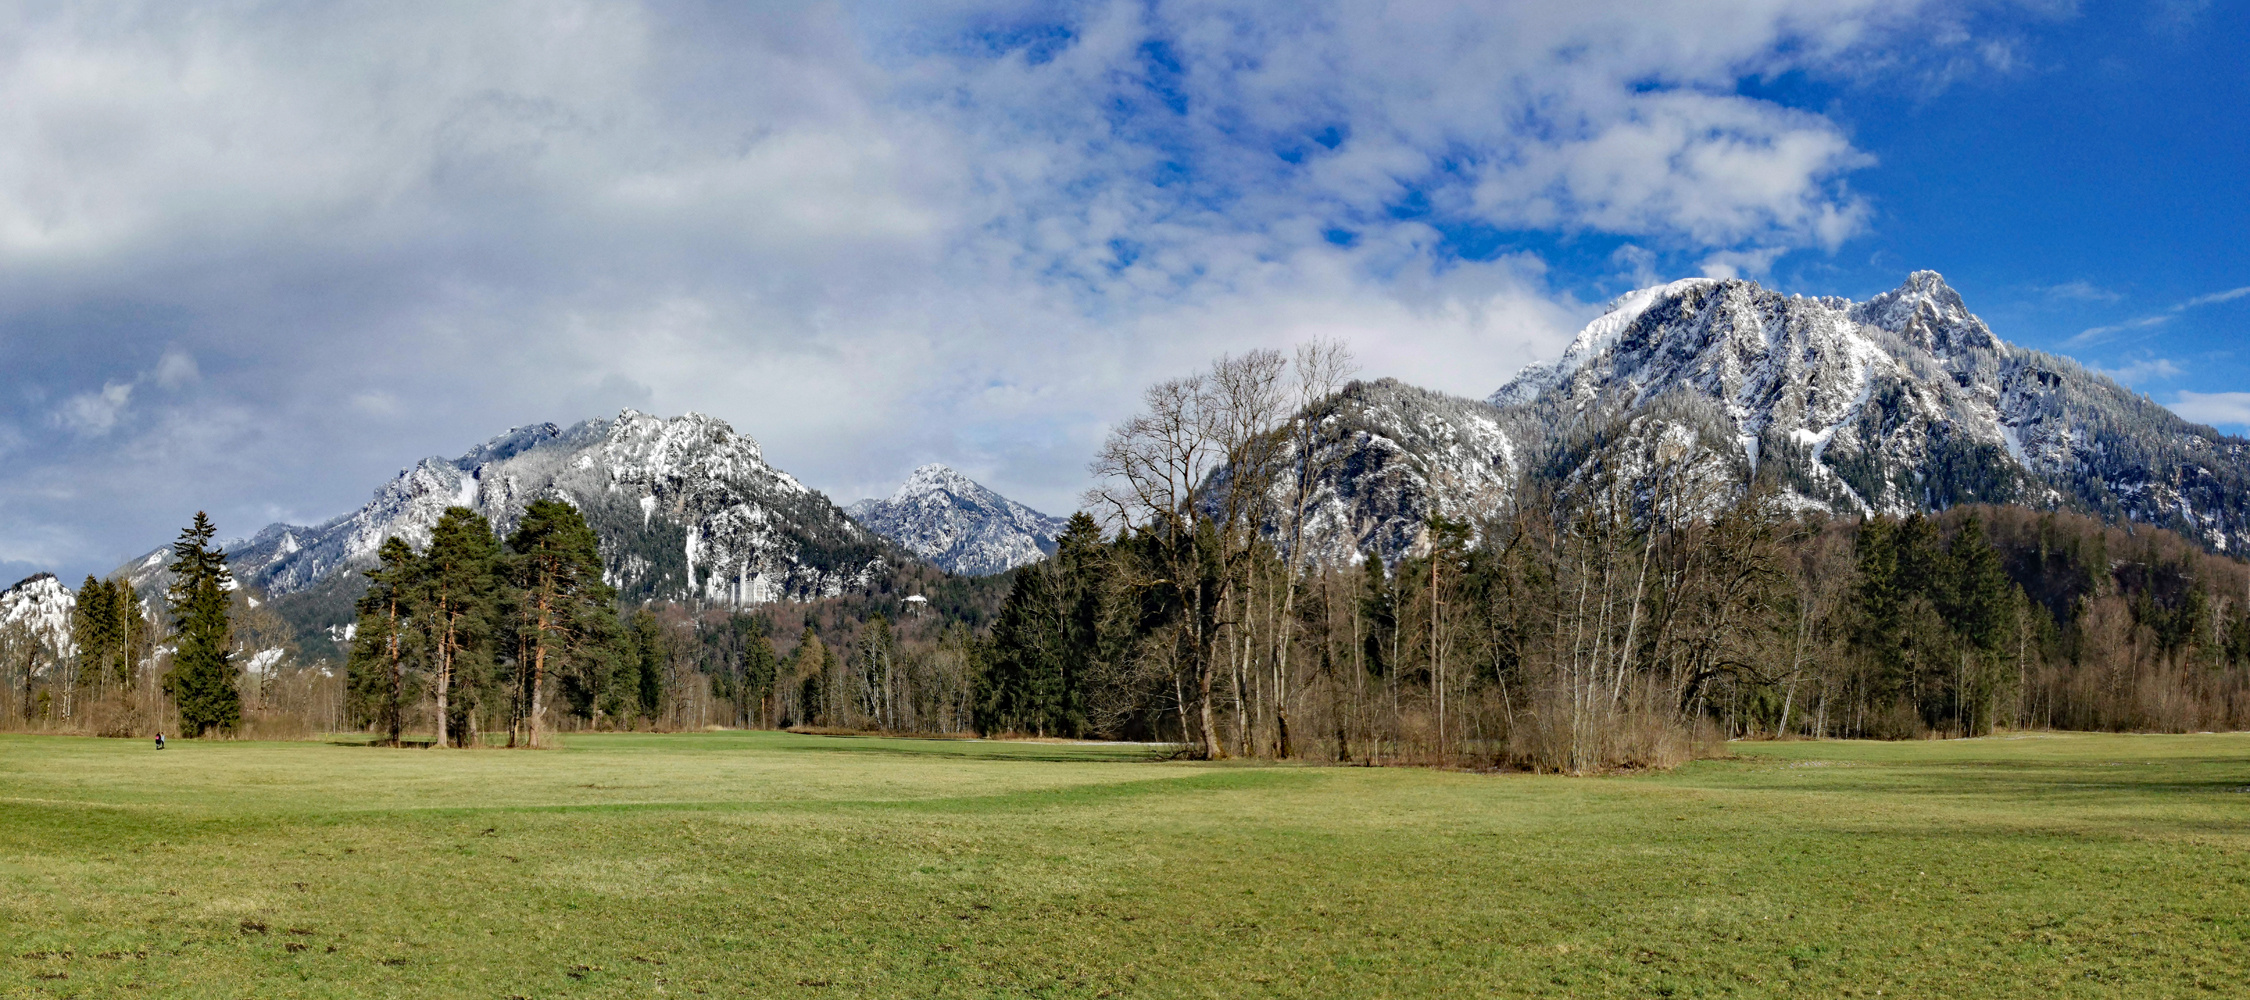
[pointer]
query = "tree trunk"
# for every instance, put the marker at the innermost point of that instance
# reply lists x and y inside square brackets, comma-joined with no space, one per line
[398,680]
[538,671]
[444,676]
[1211,748]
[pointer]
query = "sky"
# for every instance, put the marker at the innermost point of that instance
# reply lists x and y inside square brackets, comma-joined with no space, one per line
[256,257]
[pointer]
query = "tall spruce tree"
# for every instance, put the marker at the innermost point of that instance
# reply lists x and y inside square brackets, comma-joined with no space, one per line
[384,639]
[1378,606]
[567,620]
[640,681]
[1978,601]
[1047,640]
[97,625]
[201,682]
[759,668]
[1982,607]
[455,584]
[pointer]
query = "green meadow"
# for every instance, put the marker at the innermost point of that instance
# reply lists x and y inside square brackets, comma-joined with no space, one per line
[778,865]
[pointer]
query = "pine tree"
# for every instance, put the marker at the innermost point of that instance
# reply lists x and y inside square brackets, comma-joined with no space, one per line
[383,640]
[641,681]
[202,679]
[97,626]
[567,620]
[1021,689]
[455,586]
[1378,605]
[1982,607]
[759,670]
[1977,600]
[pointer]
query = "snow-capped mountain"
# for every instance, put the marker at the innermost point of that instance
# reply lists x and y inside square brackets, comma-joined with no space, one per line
[1901,403]
[39,606]
[1905,402]
[951,520]
[685,508]
[1385,453]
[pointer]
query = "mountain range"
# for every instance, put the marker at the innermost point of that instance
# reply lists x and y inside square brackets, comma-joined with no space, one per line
[1905,402]
[686,509]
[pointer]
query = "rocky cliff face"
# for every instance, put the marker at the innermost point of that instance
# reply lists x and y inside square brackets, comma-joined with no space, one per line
[1901,403]
[686,509]
[1386,455]
[958,524]
[1905,402]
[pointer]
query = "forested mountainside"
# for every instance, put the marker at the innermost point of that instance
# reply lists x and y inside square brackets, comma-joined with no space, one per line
[1904,403]
[957,523]
[686,510]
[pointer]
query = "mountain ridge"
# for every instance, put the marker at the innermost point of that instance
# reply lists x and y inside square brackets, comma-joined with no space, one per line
[959,524]
[1906,402]
[685,507]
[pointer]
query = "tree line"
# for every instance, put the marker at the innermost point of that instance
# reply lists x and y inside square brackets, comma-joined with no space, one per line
[1625,615]
[1630,612]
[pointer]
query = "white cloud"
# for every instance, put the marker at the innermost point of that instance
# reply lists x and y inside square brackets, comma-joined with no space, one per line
[2142,370]
[1637,264]
[1735,263]
[175,369]
[2080,291]
[95,413]
[2215,408]
[338,237]
[2229,295]
[2098,334]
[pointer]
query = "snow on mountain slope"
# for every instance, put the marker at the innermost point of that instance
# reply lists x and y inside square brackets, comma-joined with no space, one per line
[1901,403]
[1385,455]
[960,525]
[685,508]
[41,606]
[1905,402]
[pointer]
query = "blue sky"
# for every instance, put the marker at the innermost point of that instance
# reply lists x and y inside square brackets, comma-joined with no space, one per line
[254,258]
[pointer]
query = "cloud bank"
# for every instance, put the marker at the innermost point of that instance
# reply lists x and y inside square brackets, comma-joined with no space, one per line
[255,258]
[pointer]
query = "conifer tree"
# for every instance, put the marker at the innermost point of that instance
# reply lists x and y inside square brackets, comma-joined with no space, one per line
[97,625]
[567,620]
[1979,594]
[640,687]
[759,670]
[201,681]
[455,591]
[1983,611]
[383,640]
[1378,604]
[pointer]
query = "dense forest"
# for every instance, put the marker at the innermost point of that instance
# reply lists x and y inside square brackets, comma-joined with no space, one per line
[1633,616]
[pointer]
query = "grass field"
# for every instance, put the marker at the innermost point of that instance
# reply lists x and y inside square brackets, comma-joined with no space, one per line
[762,864]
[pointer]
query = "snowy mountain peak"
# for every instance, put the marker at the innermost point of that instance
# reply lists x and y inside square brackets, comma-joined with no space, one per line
[935,476]
[685,508]
[959,524]
[1619,316]
[1928,313]
[1904,402]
